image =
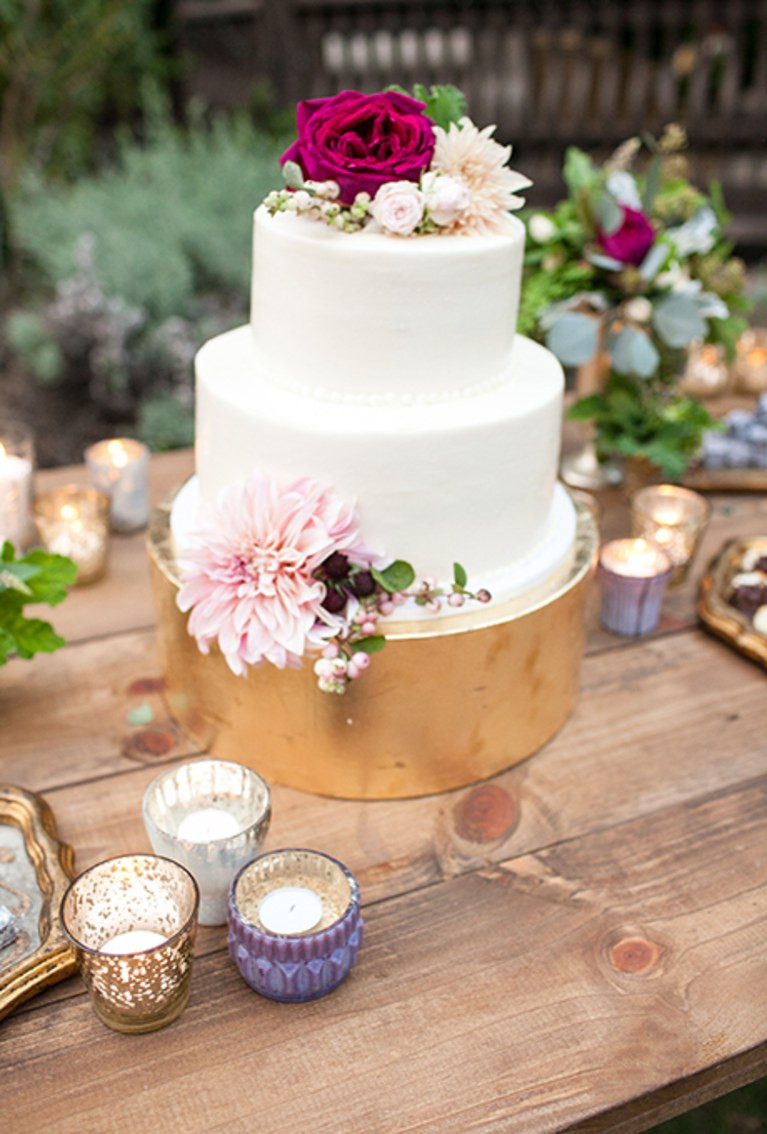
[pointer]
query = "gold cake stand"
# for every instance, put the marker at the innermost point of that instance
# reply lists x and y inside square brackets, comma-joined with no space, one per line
[451,700]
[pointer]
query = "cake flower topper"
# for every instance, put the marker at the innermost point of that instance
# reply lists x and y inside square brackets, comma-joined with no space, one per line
[406,166]
[275,573]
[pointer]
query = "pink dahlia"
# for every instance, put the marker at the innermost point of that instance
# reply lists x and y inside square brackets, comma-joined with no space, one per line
[248,577]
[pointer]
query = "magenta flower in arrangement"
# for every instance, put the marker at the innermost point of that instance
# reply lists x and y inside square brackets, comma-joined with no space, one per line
[249,571]
[631,241]
[362,141]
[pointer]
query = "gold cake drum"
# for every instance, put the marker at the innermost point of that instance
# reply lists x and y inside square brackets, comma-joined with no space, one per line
[450,701]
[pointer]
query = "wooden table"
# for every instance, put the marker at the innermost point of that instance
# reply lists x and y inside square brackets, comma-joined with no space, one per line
[579,948]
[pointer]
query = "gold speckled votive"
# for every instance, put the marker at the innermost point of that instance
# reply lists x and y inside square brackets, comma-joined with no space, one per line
[132,921]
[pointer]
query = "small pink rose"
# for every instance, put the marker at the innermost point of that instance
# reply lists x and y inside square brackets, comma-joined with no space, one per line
[446,198]
[398,207]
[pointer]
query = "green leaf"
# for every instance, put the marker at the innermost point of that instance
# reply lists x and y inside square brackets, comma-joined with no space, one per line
[460,578]
[677,320]
[293,175]
[652,184]
[579,171]
[372,645]
[573,338]
[56,574]
[33,636]
[588,408]
[654,260]
[398,576]
[444,103]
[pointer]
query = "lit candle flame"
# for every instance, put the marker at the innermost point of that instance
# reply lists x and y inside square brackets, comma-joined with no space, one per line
[117,453]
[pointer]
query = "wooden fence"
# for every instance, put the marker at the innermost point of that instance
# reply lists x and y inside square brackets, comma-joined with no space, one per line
[548,72]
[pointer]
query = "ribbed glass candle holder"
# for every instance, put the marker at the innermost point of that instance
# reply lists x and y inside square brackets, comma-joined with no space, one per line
[295,925]
[132,922]
[213,817]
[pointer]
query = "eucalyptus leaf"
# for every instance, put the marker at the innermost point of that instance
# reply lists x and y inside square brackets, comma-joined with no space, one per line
[602,260]
[609,214]
[398,576]
[654,260]
[677,320]
[633,352]
[293,175]
[573,338]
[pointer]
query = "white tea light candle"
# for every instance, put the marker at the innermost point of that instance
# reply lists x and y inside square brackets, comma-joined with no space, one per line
[133,941]
[207,825]
[633,558]
[633,574]
[16,468]
[120,468]
[290,910]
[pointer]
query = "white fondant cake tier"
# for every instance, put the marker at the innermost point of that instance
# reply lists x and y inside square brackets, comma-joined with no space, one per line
[374,318]
[534,577]
[470,480]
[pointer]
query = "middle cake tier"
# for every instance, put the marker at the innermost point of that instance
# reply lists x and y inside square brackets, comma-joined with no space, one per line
[472,480]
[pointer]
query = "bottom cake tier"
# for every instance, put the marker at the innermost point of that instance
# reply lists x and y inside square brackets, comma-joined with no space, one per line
[450,701]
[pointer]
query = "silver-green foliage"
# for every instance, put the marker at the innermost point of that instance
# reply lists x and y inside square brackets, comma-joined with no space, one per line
[169,221]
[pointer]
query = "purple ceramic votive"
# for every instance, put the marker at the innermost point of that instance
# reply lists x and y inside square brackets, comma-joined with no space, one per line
[295,924]
[633,574]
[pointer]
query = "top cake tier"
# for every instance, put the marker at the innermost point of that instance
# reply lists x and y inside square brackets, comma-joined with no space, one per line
[383,319]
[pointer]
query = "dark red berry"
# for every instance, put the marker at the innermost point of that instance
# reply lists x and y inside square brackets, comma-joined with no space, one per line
[336,566]
[334,601]
[363,584]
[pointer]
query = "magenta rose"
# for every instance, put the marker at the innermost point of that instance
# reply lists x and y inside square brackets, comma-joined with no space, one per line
[631,242]
[362,141]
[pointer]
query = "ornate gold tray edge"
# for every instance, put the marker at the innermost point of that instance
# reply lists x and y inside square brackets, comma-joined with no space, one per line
[717,615]
[54,866]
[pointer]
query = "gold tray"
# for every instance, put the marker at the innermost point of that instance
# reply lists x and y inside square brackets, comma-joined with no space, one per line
[35,870]
[715,612]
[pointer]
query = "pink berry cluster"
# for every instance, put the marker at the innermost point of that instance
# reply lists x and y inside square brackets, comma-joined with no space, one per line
[363,596]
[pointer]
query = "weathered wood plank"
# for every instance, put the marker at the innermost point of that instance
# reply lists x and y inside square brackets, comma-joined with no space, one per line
[637,947]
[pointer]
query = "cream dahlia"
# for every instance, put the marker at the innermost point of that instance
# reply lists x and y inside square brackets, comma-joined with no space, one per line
[249,571]
[472,156]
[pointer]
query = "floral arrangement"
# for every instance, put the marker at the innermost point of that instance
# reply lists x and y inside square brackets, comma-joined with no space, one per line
[633,266]
[398,164]
[38,576]
[278,572]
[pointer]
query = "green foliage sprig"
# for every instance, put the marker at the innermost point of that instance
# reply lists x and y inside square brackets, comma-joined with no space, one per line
[39,576]
[634,419]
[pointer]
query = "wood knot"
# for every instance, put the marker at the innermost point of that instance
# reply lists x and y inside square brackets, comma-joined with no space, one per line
[635,955]
[145,685]
[148,745]
[487,814]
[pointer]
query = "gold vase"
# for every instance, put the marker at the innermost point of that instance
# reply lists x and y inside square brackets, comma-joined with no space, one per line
[450,701]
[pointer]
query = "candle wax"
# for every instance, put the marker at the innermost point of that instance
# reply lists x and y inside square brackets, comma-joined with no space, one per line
[635,558]
[291,909]
[134,941]
[207,825]
[15,485]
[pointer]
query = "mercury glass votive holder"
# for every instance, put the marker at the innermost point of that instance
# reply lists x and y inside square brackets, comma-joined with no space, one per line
[120,468]
[132,922]
[213,817]
[750,368]
[633,574]
[674,518]
[295,925]
[74,521]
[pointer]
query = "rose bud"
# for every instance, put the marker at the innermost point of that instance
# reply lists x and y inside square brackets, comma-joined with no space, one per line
[362,584]
[334,602]
[336,566]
